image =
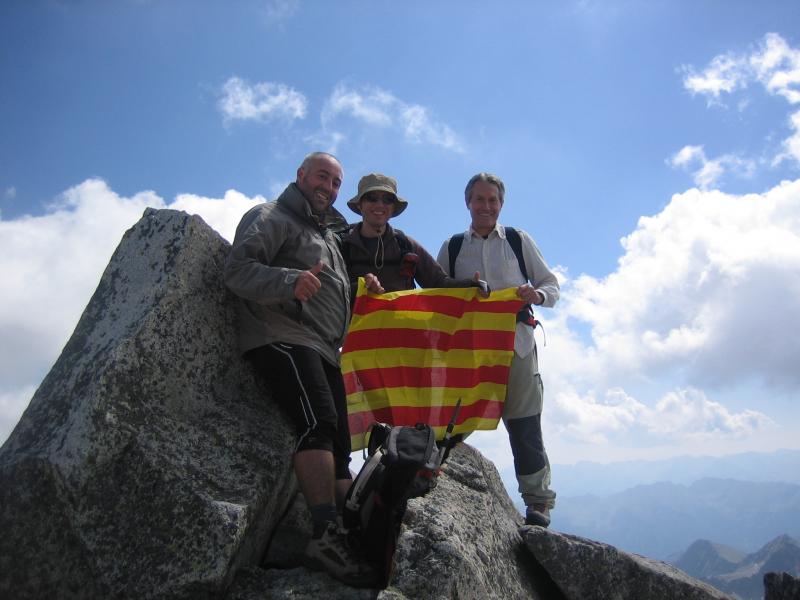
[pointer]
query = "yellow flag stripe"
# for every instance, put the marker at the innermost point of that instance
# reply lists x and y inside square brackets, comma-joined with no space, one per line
[414,396]
[432,321]
[413,357]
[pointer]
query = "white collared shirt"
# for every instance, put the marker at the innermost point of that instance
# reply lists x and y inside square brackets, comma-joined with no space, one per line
[498,266]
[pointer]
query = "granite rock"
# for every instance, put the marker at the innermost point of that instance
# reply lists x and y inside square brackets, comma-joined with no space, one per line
[150,462]
[583,568]
[781,586]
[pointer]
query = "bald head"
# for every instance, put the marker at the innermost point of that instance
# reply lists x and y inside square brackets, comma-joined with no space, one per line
[314,156]
[319,178]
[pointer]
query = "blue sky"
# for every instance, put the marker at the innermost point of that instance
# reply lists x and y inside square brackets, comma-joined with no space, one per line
[651,148]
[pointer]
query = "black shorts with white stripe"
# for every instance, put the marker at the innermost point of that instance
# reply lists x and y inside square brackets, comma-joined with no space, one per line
[311,392]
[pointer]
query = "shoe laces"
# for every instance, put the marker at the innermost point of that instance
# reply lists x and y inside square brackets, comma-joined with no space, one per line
[340,540]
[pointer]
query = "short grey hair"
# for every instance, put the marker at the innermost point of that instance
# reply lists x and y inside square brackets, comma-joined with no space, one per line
[314,156]
[488,178]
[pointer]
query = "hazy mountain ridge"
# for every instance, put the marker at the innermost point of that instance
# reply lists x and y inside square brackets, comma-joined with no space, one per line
[660,519]
[718,565]
[705,559]
[602,479]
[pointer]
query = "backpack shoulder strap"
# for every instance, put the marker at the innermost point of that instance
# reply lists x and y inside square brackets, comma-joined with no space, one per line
[453,248]
[512,235]
[341,236]
[402,241]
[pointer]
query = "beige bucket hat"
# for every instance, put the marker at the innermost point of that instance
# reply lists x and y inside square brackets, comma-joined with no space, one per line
[377,182]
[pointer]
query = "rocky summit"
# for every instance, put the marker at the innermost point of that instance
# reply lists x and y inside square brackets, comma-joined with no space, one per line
[152,463]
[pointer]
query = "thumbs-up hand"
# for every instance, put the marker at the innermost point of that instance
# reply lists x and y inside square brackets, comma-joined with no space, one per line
[307,284]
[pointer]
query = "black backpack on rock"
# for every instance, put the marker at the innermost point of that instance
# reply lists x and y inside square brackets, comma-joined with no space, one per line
[403,462]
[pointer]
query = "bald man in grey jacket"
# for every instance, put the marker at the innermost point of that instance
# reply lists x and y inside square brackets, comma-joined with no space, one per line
[293,288]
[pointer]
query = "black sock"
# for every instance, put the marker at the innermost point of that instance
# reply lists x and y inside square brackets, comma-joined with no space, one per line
[321,515]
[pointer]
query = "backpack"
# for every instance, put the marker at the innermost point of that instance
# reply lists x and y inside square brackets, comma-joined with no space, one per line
[403,462]
[525,315]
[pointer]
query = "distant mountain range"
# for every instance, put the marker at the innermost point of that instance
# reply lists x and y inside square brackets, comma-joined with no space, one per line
[735,572]
[661,519]
[602,479]
[748,503]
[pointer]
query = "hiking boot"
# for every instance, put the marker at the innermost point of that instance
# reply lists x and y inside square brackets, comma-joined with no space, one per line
[333,554]
[537,514]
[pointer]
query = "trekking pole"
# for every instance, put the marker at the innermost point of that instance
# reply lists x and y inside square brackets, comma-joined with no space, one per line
[448,434]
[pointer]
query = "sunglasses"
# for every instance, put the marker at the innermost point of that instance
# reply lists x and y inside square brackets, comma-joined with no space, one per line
[385,198]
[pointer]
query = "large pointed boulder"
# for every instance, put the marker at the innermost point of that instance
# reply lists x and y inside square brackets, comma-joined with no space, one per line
[150,462]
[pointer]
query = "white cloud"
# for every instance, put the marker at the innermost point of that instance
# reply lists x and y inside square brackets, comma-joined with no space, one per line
[726,73]
[10,193]
[379,108]
[240,100]
[585,418]
[680,415]
[687,155]
[689,413]
[773,64]
[51,265]
[708,171]
[419,127]
[710,277]
[777,66]
[791,145]
[222,214]
[372,106]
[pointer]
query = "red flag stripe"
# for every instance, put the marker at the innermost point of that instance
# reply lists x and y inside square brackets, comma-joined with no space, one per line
[365,380]
[435,416]
[446,305]
[465,339]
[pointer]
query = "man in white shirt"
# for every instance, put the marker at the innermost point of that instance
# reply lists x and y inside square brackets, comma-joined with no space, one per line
[487,247]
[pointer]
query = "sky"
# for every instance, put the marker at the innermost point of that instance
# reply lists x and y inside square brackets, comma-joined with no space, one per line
[652,149]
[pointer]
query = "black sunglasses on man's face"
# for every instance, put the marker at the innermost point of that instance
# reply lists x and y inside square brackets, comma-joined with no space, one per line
[386,198]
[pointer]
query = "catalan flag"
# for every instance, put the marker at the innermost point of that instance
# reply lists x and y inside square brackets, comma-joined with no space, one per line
[409,356]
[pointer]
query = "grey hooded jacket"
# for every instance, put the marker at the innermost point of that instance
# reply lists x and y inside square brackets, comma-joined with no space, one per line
[274,242]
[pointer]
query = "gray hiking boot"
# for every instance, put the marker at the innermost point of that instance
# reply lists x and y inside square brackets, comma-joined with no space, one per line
[333,554]
[537,514]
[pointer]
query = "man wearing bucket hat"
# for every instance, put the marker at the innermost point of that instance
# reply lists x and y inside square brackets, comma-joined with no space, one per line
[374,247]
[294,291]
